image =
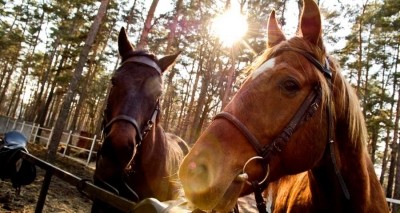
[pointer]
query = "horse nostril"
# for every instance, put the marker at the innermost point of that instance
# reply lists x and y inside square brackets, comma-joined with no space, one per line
[196,169]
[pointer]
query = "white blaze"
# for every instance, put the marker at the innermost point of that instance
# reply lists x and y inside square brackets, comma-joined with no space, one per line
[264,67]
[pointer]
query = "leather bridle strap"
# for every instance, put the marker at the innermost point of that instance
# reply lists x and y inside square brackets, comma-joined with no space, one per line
[140,133]
[306,110]
[143,60]
[243,129]
[129,120]
[323,69]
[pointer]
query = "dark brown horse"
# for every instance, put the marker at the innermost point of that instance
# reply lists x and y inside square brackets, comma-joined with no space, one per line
[137,159]
[295,122]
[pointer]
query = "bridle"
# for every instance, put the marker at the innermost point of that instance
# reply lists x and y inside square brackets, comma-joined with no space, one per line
[306,110]
[141,132]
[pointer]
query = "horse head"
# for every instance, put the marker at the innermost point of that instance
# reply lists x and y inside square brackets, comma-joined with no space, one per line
[132,110]
[279,123]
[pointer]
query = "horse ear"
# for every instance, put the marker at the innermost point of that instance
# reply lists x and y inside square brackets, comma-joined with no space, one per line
[310,23]
[275,34]
[124,46]
[166,61]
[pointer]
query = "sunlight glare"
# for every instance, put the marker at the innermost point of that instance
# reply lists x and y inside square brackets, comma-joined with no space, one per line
[229,27]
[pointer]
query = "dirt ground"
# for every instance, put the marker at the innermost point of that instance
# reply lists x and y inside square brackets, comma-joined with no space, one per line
[62,197]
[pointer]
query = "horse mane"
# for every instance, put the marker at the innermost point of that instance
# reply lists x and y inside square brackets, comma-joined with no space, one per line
[348,112]
[346,108]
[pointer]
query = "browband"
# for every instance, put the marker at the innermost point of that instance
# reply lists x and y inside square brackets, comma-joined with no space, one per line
[143,60]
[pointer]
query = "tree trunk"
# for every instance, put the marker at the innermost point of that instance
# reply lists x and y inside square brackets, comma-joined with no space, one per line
[230,79]
[392,167]
[40,97]
[147,26]
[210,67]
[360,47]
[195,127]
[19,88]
[385,155]
[129,19]
[396,195]
[62,117]
[44,108]
[388,125]
[6,85]
[83,90]
[169,95]
[185,132]
[184,104]
[4,74]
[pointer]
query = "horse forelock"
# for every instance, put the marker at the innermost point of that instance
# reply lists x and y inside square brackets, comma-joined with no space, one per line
[295,43]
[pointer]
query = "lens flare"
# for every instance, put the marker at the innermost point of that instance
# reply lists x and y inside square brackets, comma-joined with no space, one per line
[229,27]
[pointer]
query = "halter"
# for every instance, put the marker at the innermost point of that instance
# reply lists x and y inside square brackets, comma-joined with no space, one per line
[304,113]
[141,133]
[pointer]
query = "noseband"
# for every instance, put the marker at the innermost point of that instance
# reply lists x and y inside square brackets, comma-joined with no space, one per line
[140,133]
[304,113]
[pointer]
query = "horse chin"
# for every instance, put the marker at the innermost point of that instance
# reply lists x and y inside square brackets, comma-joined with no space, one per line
[218,200]
[104,169]
[229,199]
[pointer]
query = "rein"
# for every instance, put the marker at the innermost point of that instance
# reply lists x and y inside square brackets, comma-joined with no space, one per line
[303,114]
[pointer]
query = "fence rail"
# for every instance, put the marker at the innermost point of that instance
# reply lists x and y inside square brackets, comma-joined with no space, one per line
[86,187]
[69,144]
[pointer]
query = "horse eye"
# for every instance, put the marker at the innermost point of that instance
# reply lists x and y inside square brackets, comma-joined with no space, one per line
[291,86]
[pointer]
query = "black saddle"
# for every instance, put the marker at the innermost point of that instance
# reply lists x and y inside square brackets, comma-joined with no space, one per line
[12,165]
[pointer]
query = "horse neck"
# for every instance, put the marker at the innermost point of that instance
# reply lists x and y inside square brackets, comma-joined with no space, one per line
[358,173]
[151,166]
[153,144]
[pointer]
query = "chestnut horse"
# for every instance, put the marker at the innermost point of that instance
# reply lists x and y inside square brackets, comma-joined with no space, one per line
[137,159]
[295,122]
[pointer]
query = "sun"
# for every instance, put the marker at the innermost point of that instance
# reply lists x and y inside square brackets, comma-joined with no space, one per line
[229,27]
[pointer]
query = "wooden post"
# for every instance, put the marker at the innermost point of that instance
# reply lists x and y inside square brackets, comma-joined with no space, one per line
[48,139]
[91,150]
[14,125]
[67,143]
[22,127]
